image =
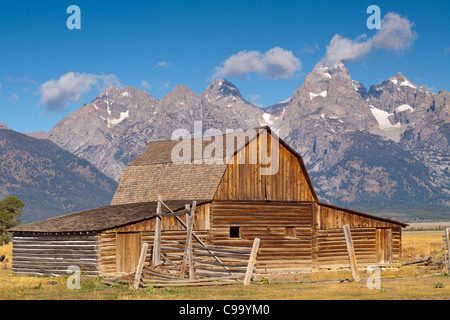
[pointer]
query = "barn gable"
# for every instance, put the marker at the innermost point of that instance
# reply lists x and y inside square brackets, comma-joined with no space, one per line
[224,176]
[284,179]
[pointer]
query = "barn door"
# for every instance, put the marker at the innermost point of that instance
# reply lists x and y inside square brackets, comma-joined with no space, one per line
[128,247]
[384,245]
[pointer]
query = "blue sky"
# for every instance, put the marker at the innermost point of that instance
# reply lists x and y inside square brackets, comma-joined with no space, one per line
[156,45]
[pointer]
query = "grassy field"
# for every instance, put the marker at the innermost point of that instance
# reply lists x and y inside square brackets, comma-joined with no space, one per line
[408,282]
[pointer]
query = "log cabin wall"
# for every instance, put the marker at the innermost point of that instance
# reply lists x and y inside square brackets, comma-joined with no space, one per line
[376,241]
[285,230]
[50,254]
[243,180]
[116,259]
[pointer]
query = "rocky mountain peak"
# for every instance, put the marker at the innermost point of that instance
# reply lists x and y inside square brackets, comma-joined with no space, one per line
[222,87]
[3,126]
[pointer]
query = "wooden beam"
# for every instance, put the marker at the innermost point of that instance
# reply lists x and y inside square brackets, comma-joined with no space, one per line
[251,261]
[156,259]
[140,266]
[187,252]
[190,255]
[351,253]
[447,232]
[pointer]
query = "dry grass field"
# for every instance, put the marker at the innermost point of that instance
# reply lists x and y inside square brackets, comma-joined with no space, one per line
[408,282]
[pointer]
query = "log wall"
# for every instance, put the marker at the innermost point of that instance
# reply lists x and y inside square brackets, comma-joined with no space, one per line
[295,236]
[171,230]
[45,254]
[285,230]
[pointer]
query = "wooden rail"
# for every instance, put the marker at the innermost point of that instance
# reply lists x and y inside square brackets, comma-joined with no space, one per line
[239,263]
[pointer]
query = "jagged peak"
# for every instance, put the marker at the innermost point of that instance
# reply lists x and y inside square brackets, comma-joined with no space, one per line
[400,79]
[180,88]
[3,126]
[114,91]
[224,87]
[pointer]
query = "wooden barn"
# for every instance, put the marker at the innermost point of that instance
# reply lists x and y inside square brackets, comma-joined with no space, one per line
[239,196]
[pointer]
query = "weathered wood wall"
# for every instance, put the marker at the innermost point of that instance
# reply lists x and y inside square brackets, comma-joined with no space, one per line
[295,236]
[330,217]
[45,254]
[111,256]
[242,179]
[376,241]
[285,230]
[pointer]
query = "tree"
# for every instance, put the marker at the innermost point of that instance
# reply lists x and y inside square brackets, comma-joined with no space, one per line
[10,210]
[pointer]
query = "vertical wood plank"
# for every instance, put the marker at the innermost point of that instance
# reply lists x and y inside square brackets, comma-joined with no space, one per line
[190,256]
[447,232]
[351,253]
[157,239]
[251,261]
[140,266]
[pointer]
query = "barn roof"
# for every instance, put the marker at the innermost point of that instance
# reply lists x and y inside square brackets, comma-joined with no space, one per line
[102,218]
[154,173]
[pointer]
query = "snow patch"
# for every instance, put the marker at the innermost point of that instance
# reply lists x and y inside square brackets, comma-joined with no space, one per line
[123,116]
[407,83]
[322,116]
[313,95]
[404,107]
[382,118]
[125,94]
[266,117]
[394,81]
[107,107]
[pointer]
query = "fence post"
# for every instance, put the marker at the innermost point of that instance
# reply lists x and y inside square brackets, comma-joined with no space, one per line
[140,266]
[351,253]
[156,259]
[190,256]
[251,261]
[447,232]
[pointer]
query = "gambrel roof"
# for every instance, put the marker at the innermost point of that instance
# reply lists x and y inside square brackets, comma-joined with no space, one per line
[154,173]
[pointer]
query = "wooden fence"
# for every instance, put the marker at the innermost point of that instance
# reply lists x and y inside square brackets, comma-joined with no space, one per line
[235,265]
[204,265]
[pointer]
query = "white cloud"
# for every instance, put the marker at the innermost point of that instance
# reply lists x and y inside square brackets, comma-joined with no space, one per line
[309,48]
[14,98]
[446,51]
[71,87]
[163,64]
[255,99]
[275,63]
[395,35]
[145,85]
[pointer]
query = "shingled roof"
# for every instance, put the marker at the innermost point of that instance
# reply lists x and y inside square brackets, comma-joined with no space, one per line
[154,172]
[103,218]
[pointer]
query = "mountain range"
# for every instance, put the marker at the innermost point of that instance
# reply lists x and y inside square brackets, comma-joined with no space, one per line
[385,149]
[48,179]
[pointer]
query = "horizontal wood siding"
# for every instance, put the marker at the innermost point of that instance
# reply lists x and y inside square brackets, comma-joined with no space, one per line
[36,254]
[330,218]
[171,229]
[107,248]
[285,230]
[332,248]
[243,180]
